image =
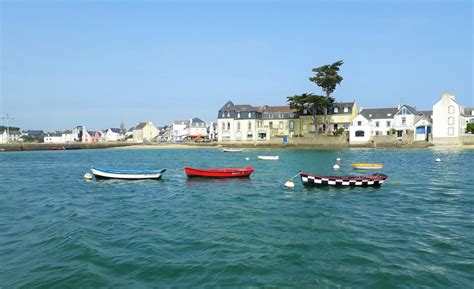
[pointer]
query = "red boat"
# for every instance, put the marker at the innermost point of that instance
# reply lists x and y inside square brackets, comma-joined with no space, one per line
[57,148]
[219,173]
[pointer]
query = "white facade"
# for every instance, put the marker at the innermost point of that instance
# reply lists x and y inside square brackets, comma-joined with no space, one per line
[241,130]
[448,122]
[63,138]
[180,130]
[360,131]
[111,135]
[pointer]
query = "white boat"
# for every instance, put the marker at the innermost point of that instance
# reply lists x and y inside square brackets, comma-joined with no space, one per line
[268,158]
[104,173]
[233,150]
[367,166]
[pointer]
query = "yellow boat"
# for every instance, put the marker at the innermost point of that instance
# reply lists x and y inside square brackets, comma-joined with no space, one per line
[367,166]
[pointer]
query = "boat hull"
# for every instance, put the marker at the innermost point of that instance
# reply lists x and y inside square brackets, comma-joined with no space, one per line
[219,173]
[127,174]
[268,158]
[310,180]
[367,166]
[232,150]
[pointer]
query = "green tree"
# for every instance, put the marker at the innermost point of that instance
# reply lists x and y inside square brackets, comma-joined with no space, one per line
[308,102]
[327,78]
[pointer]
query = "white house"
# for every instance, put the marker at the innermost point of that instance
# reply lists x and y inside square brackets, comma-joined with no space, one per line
[180,130]
[197,128]
[240,123]
[113,134]
[401,120]
[371,122]
[450,119]
[11,135]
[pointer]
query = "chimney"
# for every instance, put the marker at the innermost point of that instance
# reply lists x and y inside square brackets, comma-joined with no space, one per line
[448,95]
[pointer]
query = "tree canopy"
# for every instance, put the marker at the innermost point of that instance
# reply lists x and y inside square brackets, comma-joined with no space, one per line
[327,77]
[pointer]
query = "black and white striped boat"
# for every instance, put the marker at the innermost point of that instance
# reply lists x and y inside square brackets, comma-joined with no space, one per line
[374,180]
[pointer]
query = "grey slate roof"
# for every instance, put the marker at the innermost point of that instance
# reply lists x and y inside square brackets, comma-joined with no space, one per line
[116,130]
[379,113]
[140,126]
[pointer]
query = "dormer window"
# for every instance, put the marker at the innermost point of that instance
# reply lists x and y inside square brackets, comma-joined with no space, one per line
[238,115]
[223,114]
[228,114]
[336,110]
[370,115]
[346,109]
[250,115]
[389,114]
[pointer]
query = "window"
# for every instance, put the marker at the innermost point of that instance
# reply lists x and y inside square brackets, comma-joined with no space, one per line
[359,123]
[345,126]
[223,126]
[250,115]
[228,114]
[376,133]
[377,123]
[346,109]
[238,125]
[336,110]
[280,125]
[388,123]
[238,115]
[249,125]
[404,111]
[451,120]
[404,120]
[223,114]
[451,109]
[450,130]
[389,114]
[249,135]
[360,133]
[292,125]
[228,125]
[304,127]
[370,115]
[280,115]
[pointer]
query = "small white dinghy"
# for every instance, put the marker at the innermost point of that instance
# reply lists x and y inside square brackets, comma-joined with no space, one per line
[268,158]
[104,173]
[232,150]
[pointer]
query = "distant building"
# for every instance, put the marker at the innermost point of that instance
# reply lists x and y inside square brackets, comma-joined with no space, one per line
[240,123]
[113,134]
[145,132]
[339,115]
[400,120]
[450,119]
[197,128]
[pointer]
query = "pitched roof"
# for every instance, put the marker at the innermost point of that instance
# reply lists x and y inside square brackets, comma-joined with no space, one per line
[378,113]
[196,119]
[116,130]
[276,108]
[140,126]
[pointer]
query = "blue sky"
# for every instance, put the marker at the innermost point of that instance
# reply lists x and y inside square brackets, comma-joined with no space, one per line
[68,63]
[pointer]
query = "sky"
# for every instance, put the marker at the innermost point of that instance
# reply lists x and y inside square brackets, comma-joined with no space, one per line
[93,63]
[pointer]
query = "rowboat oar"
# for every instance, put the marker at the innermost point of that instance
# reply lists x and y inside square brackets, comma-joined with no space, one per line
[290,183]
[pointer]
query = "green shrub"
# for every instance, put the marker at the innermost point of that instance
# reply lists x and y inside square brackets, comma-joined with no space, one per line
[470,127]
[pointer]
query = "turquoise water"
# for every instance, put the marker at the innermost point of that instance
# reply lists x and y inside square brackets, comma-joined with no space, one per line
[59,231]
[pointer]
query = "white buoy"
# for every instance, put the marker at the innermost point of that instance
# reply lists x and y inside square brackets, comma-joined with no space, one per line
[438,160]
[290,184]
[88,176]
[338,159]
[336,167]
[247,158]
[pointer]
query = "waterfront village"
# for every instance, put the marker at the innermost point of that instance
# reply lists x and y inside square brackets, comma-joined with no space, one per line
[343,124]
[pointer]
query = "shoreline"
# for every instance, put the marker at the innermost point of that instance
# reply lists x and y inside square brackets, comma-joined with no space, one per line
[75,146]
